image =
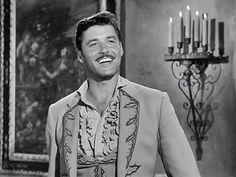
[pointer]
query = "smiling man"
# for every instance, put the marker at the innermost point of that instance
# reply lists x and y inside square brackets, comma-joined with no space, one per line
[110,126]
[101,52]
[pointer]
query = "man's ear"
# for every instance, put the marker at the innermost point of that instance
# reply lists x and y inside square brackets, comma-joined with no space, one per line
[80,57]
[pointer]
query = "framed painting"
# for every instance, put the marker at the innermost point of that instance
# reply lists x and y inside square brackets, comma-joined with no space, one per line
[39,66]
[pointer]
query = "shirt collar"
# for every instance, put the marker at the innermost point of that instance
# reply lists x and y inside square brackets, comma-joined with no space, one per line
[84,87]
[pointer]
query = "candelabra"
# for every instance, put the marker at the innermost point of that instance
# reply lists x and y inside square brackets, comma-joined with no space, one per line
[197,72]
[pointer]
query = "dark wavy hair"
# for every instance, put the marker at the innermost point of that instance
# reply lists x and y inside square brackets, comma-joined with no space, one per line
[101,18]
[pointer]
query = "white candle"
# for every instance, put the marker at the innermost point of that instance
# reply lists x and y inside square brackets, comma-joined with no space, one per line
[171,35]
[188,22]
[180,28]
[197,27]
[103,5]
[205,30]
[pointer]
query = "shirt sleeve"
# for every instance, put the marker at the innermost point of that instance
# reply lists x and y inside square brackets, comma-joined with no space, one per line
[174,148]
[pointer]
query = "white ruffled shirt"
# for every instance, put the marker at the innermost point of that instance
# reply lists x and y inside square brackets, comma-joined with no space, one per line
[98,135]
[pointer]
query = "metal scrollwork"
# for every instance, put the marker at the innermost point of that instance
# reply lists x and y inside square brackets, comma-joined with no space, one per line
[196,79]
[197,86]
[175,67]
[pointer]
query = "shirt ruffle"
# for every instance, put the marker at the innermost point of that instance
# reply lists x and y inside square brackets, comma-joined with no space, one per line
[89,121]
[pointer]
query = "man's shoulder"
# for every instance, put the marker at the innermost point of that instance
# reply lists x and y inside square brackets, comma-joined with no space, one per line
[148,89]
[65,100]
[142,89]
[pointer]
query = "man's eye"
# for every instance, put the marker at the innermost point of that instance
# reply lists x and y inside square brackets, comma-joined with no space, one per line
[93,44]
[111,41]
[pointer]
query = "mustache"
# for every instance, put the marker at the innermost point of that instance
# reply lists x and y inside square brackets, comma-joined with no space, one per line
[106,55]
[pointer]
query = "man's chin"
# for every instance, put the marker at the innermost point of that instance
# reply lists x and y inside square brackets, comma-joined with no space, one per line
[104,77]
[107,77]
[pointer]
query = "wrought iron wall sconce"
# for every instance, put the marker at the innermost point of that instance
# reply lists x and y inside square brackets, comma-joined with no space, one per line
[197,86]
[197,72]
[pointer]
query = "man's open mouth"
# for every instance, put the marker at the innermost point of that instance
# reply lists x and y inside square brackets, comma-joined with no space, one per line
[104,60]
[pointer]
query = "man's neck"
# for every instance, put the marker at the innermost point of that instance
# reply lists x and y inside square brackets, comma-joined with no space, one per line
[100,93]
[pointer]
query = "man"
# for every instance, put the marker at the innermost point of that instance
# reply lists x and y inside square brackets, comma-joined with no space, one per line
[110,126]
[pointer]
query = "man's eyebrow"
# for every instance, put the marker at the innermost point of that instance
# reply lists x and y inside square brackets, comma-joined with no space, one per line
[112,36]
[91,40]
[108,37]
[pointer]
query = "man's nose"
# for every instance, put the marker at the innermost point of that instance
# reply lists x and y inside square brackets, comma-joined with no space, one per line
[103,48]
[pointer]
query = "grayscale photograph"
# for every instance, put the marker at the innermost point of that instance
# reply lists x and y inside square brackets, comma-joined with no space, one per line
[117,88]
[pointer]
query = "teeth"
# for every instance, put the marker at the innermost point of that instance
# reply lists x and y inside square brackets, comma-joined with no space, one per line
[105,60]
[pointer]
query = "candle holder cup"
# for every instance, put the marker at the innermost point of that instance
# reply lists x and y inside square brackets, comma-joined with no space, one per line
[221,52]
[205,48]
[187,40]
[179,46]
[196,44]
[170,50]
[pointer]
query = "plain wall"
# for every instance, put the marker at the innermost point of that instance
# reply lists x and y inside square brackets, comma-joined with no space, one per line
[145,46]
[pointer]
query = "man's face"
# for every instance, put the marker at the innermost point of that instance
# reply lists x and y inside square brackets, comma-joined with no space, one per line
[101,52]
